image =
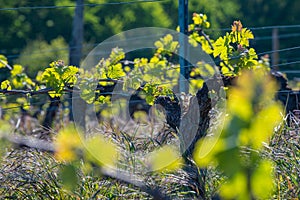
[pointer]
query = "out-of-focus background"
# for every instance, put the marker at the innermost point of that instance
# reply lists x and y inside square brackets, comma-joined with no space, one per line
[34,33]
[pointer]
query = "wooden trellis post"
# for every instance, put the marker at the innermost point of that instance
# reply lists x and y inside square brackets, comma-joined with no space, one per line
[77,35]
[74,59]
[275,48]
[183,50]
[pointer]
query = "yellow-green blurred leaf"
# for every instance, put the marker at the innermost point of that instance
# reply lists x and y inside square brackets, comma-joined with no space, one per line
[101,151]
[67,143]
[3,61]
[69,177]
[235,188]
[262,180]
[206,149]
[264,124]
[165,158]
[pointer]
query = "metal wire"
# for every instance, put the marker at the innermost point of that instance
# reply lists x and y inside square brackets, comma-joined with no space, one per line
[73,6]
[263,27]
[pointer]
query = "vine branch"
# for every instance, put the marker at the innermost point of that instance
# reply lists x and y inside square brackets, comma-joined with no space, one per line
[6,65]
[122,176]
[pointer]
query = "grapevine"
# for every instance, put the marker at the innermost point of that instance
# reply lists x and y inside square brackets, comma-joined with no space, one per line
[155,79]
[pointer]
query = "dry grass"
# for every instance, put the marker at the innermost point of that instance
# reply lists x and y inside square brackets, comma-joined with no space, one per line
[30,174]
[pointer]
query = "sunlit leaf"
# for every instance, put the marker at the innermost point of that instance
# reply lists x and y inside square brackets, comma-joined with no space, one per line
[116,55]
[101,151]
[3,61]
[206,150]
[5,85]
[69,75]
[262,180]
[17,69]
[158,44]
[165,158]
[67,143]
[115,71]
[235,188]
[88,89]
[221,48]
[264,124]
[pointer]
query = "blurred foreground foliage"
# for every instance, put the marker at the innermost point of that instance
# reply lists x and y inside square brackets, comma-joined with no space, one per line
[236,147]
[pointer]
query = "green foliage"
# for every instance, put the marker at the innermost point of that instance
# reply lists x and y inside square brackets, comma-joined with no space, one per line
[160,73]
[154,90]
[67,143]
[274,13]
[200,20]
[19,79]
[5,85]
[107,69]
[200,23]
[101,151]
[166,46]
[68,175]
[111,68]
[3,61]
[252,117]
[100,21]
[234,50]
[203,70]
[88,89]
[71,144]
[221,12]
[165,158]
[39,53]
[59,77]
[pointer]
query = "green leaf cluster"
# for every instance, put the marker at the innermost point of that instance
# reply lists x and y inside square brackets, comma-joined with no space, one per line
[166,46]
[196,34]
[107,69]
[5,85]
[233,50]
[19,79]
[111,68]
[59,77]
[154,90]
[200,20]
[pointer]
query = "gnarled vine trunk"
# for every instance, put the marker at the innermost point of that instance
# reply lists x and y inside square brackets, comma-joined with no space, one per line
[51,112]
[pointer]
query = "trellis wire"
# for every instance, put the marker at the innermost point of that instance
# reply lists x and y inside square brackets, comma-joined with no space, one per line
[73,6]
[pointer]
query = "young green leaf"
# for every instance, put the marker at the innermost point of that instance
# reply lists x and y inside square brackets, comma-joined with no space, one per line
[5,85]
[101,151]
[69,177]
[166,158]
